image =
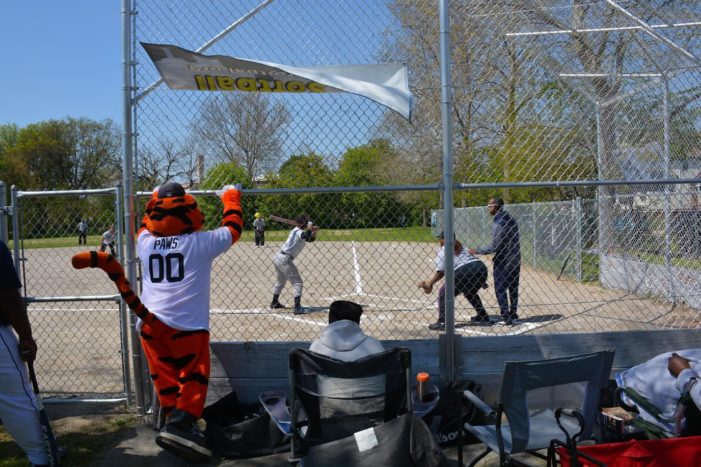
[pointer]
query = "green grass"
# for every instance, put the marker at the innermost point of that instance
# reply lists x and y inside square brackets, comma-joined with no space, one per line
[83,445]
[93,242]
[409,234]
[688,263]
[590,266]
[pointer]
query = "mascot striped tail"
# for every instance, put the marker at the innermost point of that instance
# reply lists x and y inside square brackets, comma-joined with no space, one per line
[115,271]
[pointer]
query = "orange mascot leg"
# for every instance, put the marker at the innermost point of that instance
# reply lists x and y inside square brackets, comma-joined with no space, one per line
[179,365]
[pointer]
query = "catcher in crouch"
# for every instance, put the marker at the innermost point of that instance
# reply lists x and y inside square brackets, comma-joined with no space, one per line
[174,323]
[470,276]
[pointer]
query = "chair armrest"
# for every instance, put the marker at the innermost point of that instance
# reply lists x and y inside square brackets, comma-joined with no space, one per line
[572,413]
[422,408]
[479,403]
[275,403]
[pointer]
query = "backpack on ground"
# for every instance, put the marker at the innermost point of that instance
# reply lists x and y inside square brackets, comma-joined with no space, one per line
[237,430]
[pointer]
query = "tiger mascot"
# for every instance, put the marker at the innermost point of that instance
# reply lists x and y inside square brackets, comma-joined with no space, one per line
[174,317]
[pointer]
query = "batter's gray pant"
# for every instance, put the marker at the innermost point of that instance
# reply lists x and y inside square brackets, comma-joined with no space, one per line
[286,270]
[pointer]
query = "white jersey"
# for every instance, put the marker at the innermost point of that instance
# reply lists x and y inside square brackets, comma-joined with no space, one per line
[461,259]
[108,237]
[176,275]
[295,243]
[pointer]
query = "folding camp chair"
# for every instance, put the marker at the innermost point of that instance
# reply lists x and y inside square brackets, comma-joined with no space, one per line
[529,428]
[352,413]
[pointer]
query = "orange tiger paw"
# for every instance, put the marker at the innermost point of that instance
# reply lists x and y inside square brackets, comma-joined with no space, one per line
[232,195]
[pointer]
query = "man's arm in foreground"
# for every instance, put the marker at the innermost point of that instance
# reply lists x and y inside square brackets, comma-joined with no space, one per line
[14,311]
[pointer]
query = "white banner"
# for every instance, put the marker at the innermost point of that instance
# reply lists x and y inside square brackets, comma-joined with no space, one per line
[385,83]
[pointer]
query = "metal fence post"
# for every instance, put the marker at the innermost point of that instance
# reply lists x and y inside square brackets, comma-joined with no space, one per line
[448,208]
[667,207]
[123,308]
[599,190]
[484,228]
[5,213]
[534,232]
[15,230]
[127,174]
[578,234]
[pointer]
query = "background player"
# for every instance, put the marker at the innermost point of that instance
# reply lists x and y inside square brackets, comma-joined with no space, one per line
[108,239]
[82,232]
[259,230]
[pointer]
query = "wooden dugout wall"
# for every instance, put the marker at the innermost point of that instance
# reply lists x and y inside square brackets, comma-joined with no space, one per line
[252,367]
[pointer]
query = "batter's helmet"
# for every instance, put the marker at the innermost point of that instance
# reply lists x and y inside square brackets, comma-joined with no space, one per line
[257,215]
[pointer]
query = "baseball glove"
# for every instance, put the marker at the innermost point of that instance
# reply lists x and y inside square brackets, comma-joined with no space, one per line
[427,288]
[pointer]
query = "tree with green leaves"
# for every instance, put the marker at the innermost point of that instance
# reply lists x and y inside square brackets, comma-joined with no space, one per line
[8,140]
[304,170]
[67,154]
[369,165]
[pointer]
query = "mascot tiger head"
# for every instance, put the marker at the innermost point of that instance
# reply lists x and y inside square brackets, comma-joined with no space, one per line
[172,211]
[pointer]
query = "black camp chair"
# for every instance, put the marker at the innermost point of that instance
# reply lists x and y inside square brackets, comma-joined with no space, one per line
[353,413]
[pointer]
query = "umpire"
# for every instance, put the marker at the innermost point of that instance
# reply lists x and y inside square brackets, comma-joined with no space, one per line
[507,259]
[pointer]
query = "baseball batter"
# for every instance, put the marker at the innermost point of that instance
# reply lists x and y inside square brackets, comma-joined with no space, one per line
[304,231]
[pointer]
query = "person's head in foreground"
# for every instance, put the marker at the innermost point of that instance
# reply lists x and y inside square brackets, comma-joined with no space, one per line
[343,309]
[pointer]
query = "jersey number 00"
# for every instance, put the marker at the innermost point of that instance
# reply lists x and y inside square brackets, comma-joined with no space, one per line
[170,267]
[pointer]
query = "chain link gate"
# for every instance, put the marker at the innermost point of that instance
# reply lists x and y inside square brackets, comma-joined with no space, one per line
[80,325]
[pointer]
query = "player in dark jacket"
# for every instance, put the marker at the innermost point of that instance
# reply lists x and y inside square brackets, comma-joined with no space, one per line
[507,259]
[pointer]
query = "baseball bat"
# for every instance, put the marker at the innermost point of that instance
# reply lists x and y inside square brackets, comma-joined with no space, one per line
[49,440]
[283,220]
[564,265]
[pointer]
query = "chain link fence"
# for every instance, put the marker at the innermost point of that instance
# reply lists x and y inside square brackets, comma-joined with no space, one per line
[541,92]
[568,282]
[644,256]
[376,261]
[582,115]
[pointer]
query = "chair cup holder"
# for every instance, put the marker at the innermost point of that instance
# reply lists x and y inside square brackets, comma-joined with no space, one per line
[423,407]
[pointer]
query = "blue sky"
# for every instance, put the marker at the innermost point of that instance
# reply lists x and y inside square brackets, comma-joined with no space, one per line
[59,59]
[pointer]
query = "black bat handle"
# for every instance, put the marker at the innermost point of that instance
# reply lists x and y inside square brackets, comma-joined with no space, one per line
[33,376]
[52,449]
